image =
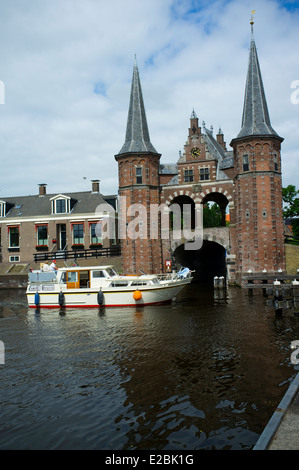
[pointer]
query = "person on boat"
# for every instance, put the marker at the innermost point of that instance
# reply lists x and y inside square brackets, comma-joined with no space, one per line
[46,267]
[53,266]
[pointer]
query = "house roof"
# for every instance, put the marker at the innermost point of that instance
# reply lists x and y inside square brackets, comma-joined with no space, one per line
[168,169]
[223,157]
[33,206]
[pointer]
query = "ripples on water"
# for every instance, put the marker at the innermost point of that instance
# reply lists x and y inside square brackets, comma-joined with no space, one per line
[205,372]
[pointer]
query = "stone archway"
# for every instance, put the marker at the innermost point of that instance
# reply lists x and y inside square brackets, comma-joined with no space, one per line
[214,258]
[208,262]
[221,201]
[183,202]
[200,194]
[207,191]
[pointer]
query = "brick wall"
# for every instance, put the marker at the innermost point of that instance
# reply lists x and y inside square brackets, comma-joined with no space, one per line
[28,238]
[259,218]
[138,190]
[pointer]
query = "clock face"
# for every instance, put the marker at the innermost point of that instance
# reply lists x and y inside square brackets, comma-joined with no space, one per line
[195,152]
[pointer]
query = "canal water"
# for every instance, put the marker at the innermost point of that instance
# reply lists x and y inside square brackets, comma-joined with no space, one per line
[205,372]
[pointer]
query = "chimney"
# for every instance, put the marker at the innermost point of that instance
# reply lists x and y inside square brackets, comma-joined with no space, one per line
[42,190]
[220,139]
[95,186]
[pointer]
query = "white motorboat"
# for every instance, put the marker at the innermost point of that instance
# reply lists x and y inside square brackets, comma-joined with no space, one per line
[95,286]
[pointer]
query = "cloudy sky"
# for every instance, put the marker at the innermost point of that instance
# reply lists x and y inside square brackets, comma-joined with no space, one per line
[66,67]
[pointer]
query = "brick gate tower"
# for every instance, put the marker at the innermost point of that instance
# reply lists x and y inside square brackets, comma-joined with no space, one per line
[258,187]
[139,188]
[246,182]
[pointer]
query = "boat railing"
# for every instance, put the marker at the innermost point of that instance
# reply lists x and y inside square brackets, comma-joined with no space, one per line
[166,276]
[182,274]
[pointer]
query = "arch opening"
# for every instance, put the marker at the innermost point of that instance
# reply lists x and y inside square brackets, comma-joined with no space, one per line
[183,202]
[216,210]
[208,262]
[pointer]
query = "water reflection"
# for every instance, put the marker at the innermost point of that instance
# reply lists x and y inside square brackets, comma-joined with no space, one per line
[205,372]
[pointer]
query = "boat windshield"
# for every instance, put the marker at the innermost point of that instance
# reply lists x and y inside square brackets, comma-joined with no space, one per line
[111,272]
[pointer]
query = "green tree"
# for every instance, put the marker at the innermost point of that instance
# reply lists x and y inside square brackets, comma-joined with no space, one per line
[295,228]
[291,206]
[211,215]
[291,201]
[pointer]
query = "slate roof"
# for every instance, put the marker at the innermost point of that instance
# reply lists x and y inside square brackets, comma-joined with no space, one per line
[168,169]
[84,202]
[255,119]
[223,158]
[228,161]
[174,180]
[137,134]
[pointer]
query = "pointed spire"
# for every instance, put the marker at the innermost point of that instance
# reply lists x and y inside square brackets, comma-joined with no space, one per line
[193,115]
[137,134]
[255,119]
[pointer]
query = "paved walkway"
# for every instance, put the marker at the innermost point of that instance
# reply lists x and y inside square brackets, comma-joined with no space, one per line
[282,431]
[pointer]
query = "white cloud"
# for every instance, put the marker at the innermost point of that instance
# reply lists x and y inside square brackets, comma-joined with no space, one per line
[67,69]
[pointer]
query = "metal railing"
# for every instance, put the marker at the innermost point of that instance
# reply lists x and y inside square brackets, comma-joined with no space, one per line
[74,254]
[291,239]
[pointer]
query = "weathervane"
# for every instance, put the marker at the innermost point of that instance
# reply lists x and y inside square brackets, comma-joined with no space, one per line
[251,20]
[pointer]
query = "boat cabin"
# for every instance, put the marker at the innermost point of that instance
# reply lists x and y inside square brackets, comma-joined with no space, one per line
[74,278]
[78,278]
[87,277]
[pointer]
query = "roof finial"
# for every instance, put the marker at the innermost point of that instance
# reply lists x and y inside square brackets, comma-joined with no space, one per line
[251,21]
[193,115]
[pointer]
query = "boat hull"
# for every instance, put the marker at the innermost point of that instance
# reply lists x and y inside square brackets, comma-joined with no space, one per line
[89,298]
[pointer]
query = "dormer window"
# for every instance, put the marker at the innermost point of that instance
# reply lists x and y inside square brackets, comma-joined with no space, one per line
[61,204]
[2,209]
